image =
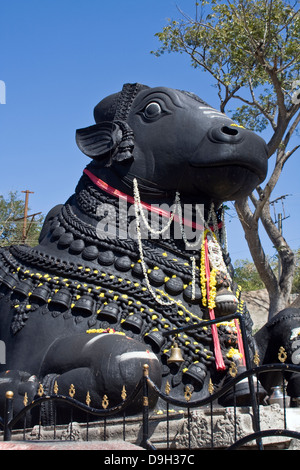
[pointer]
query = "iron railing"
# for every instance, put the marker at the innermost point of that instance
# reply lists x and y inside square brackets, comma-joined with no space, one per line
[9,422]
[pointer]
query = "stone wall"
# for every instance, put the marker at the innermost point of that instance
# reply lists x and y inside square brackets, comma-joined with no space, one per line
[258,305]
[222,421]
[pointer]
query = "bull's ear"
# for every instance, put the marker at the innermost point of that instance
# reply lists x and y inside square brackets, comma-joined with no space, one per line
[106,139]
[100,140]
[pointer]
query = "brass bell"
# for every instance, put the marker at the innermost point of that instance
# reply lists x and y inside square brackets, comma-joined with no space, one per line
[176,355]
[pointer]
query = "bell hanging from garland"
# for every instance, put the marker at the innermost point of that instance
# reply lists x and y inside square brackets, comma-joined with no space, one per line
[176,354]
[110,312]
[155,339]
[134,322]
[62,298]
[41,293]
[24,287]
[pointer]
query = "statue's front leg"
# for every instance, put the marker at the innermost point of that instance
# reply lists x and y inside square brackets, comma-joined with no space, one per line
[101,364]
[279,340]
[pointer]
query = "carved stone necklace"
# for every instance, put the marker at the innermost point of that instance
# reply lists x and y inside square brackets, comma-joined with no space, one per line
[101,283]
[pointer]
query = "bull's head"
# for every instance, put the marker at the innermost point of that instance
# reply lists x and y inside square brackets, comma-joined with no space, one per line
[170,141]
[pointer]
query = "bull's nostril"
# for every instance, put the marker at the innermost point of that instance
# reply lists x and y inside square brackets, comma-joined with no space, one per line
[229,130]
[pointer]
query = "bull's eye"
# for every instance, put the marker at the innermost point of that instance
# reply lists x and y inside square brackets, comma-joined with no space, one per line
[152,110]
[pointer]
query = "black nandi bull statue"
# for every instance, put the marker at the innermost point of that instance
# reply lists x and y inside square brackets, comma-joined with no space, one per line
[90,304]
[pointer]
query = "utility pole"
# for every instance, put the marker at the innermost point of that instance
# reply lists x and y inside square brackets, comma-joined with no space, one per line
[24,235]
[279,223]
[280,231]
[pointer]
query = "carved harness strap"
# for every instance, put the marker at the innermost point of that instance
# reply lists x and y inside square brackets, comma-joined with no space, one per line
[151,208]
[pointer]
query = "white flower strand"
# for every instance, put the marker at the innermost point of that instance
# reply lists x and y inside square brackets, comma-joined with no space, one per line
[220,234]
[139,212]
[212,219]
[195,244]
[177,208]
[216,240]
[215,253]
[224,233]
[193,260]
[144,268]
[137,201]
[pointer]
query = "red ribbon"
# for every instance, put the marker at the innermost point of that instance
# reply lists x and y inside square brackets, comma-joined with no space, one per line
[240,341]
[115,192]
[218,353]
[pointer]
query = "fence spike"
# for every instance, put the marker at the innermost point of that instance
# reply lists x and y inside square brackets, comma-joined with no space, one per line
[105,402]
[233,369]
[25,400]
[282,355]
[124,393]
[167,388]
[40,390]
[256,358]
[55,387]
[88,399]
[72,391]
[210,387]
[187,393]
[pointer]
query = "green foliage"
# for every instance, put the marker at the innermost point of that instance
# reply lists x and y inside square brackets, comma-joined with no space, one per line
[246,275]
[251,116]
[296,280]
[242,43]
[11,221]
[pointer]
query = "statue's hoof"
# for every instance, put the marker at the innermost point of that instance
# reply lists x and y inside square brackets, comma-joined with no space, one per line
[293,389]
[106,363]
[240,394]
[125,367]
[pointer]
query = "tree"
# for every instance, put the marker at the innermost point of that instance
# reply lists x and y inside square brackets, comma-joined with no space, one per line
[246,275]
[251,49]
[11,221]
[296,282]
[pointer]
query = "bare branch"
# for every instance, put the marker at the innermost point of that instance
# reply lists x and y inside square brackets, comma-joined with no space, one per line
[255,246]
[289,154]
[255,103]
[288,64]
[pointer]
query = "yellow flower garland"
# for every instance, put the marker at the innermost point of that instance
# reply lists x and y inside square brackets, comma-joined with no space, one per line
[234,353]
[212,282]
[107,330]
[212,289]
[203,275]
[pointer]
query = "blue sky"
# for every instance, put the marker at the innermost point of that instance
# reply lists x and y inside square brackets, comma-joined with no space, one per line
[59,58]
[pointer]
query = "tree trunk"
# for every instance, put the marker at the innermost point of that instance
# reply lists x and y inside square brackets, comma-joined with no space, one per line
[278,289]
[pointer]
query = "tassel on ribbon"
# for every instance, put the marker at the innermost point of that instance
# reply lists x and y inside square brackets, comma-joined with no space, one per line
[217,348]
[240,341]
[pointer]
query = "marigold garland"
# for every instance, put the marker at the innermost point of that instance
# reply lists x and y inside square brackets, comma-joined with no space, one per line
[203,275]
[212,289]
[212,282]
[234,354]
[107,330]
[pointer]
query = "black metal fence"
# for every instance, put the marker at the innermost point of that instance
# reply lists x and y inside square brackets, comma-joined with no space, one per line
[9,423]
